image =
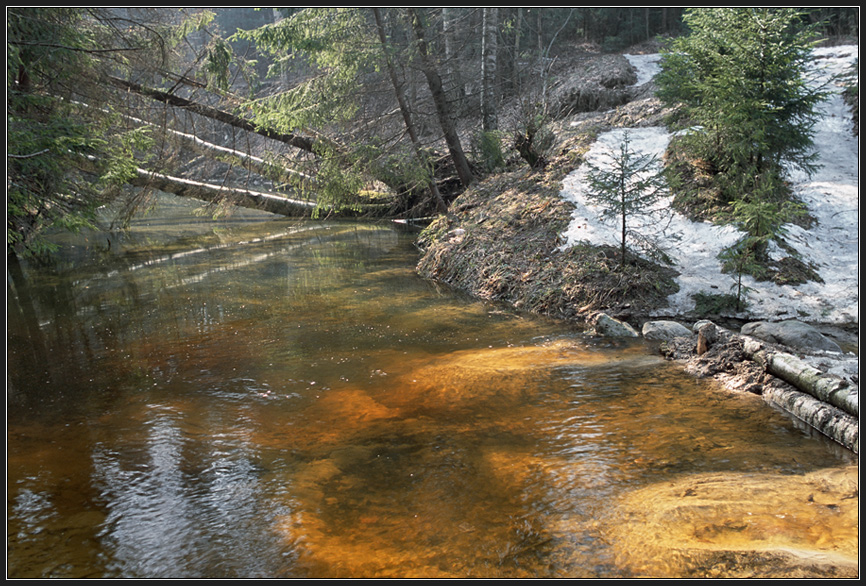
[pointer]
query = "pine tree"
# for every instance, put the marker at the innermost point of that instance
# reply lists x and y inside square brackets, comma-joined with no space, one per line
[628,188]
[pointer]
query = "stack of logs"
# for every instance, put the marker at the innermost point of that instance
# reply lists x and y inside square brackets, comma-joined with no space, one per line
[825,402]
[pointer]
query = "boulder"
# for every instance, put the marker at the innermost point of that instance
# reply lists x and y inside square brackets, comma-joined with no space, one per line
[608,326]
[665,330]
[792,333]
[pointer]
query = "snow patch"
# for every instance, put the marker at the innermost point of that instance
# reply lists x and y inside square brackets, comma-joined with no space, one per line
[831,194]
[646,66]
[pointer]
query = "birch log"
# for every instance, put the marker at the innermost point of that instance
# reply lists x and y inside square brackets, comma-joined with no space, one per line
[828,420]
[268,169]
[827,403]
[830,389]
[268,202]
[247,161]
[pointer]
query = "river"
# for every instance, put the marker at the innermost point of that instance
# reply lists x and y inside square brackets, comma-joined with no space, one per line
[259,398]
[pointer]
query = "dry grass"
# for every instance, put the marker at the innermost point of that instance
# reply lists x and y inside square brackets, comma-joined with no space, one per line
[502,241]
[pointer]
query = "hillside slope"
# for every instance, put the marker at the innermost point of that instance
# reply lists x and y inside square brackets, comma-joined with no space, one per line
[520,237]
[830,246]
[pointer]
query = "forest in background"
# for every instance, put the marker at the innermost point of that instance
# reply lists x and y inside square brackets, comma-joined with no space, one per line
[310,111]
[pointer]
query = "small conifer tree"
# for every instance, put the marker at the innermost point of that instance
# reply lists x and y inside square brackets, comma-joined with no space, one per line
[740,259]
[629,187]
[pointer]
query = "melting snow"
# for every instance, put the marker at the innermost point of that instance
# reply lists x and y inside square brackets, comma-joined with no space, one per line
[831,194]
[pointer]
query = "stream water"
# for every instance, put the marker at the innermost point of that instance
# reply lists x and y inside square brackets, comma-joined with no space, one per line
[270,398]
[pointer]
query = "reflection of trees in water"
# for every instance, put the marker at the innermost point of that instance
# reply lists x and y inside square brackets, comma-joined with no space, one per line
[83,311]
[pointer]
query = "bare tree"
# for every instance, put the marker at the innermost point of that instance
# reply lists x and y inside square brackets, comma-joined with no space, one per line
[443,110]
[489,47]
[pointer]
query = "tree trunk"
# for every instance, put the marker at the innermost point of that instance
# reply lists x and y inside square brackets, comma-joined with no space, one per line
[540,30]
[490,30]
[301,142]
[404,109]
[270,170]
[452,72]
[647,22]
[249,162]
[827,403]
[623,215]
[267,202]
[441,102]
[830,389]
[830,421]
[284,74]
[515,52]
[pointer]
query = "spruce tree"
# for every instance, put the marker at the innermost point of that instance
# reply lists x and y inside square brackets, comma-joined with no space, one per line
[68,153]
[629,187]
[740,77]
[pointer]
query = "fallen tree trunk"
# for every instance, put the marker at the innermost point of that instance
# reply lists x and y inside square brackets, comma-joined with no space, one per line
[250,162]
[833,390]
[828,420]
[824,402]
[268,202]
[310,145]
[257,200]
[270,170]
[301,142]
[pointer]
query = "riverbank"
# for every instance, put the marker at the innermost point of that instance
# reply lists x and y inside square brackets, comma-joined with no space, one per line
[511,239]
[503,240]
[530,239]
[496,237]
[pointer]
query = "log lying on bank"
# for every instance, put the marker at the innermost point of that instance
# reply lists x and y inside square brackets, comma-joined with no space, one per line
[828,420]
[829,389]
[825,402]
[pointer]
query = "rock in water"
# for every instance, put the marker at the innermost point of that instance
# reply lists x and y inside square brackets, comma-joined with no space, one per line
[608,326]
[728,525]
[665,330]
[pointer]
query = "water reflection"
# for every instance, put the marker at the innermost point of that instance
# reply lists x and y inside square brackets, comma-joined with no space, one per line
[280,399]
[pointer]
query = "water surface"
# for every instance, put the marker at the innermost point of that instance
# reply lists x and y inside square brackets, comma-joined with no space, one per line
[255,397]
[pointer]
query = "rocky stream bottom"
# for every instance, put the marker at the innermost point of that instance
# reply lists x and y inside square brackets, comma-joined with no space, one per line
[748,525]
[502,242]
[705,526]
